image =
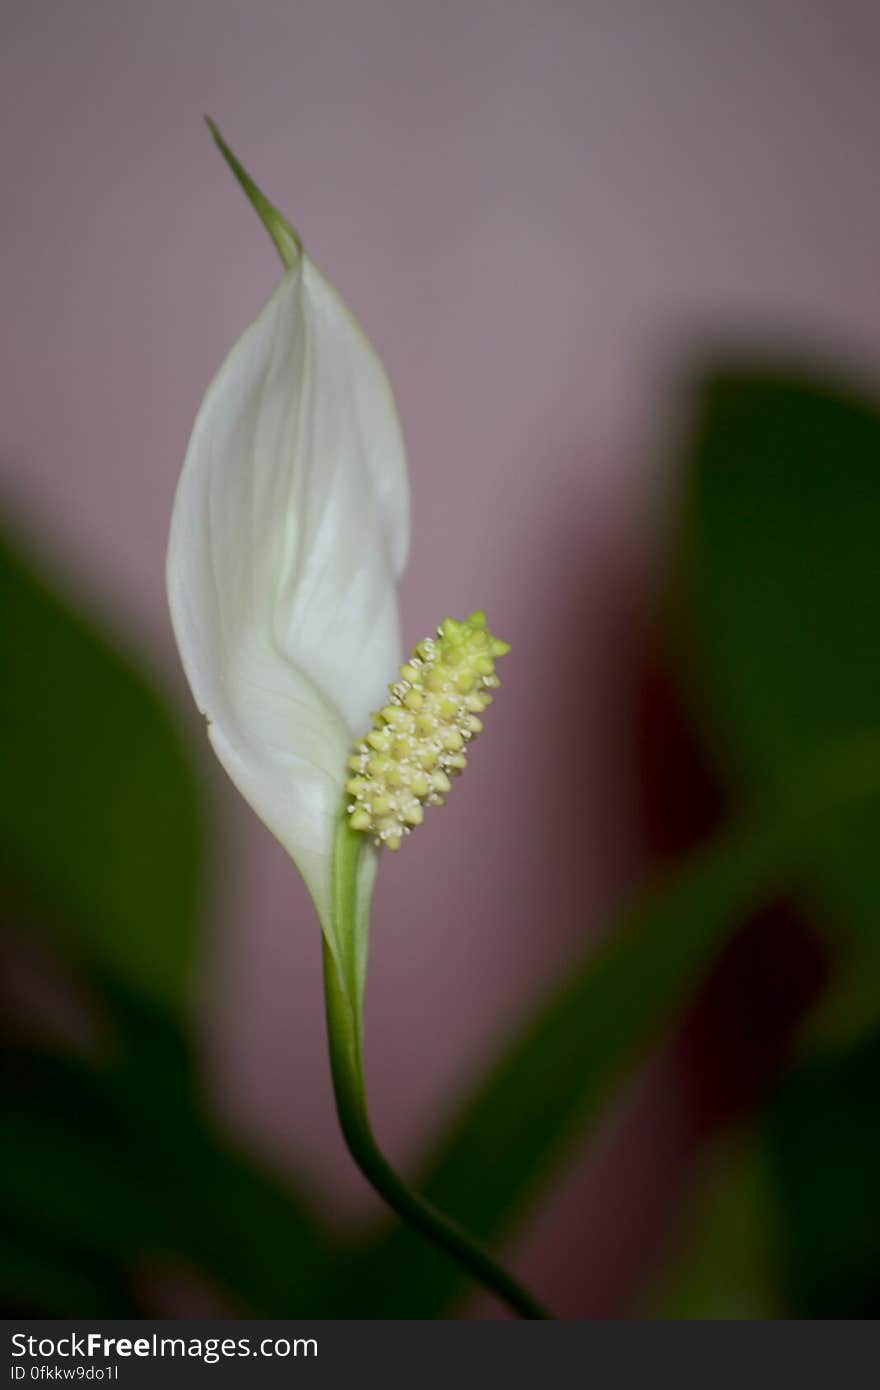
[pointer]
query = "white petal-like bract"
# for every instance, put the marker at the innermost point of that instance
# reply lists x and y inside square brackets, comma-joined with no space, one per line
[288,538]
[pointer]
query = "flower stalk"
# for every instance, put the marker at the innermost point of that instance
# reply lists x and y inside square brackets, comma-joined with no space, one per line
[345,1035]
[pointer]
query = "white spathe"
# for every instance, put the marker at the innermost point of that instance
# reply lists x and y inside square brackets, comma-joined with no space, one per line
[289,535]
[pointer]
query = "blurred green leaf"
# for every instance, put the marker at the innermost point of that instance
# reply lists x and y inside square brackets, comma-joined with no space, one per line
[134,1175]
[728,1264]
[41,1277]
[785,1221]
[822,1132]
[551,1085]
[99,822]
[70,1165]
[779,592]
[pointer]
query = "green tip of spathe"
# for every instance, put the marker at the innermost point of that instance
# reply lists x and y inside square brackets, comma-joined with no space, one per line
[284,237]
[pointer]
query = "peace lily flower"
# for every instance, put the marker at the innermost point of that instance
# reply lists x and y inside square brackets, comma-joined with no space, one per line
[288,538]
[289,534]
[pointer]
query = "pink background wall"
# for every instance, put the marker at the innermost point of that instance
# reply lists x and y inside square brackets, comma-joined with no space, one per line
[532,208]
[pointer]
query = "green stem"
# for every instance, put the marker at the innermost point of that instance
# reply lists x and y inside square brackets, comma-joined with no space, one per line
[346,1060]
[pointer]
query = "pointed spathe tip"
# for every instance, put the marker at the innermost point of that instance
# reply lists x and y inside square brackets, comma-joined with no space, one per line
[285,238]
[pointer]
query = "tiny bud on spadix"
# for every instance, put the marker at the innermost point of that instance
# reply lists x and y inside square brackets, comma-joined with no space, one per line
[419,738]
